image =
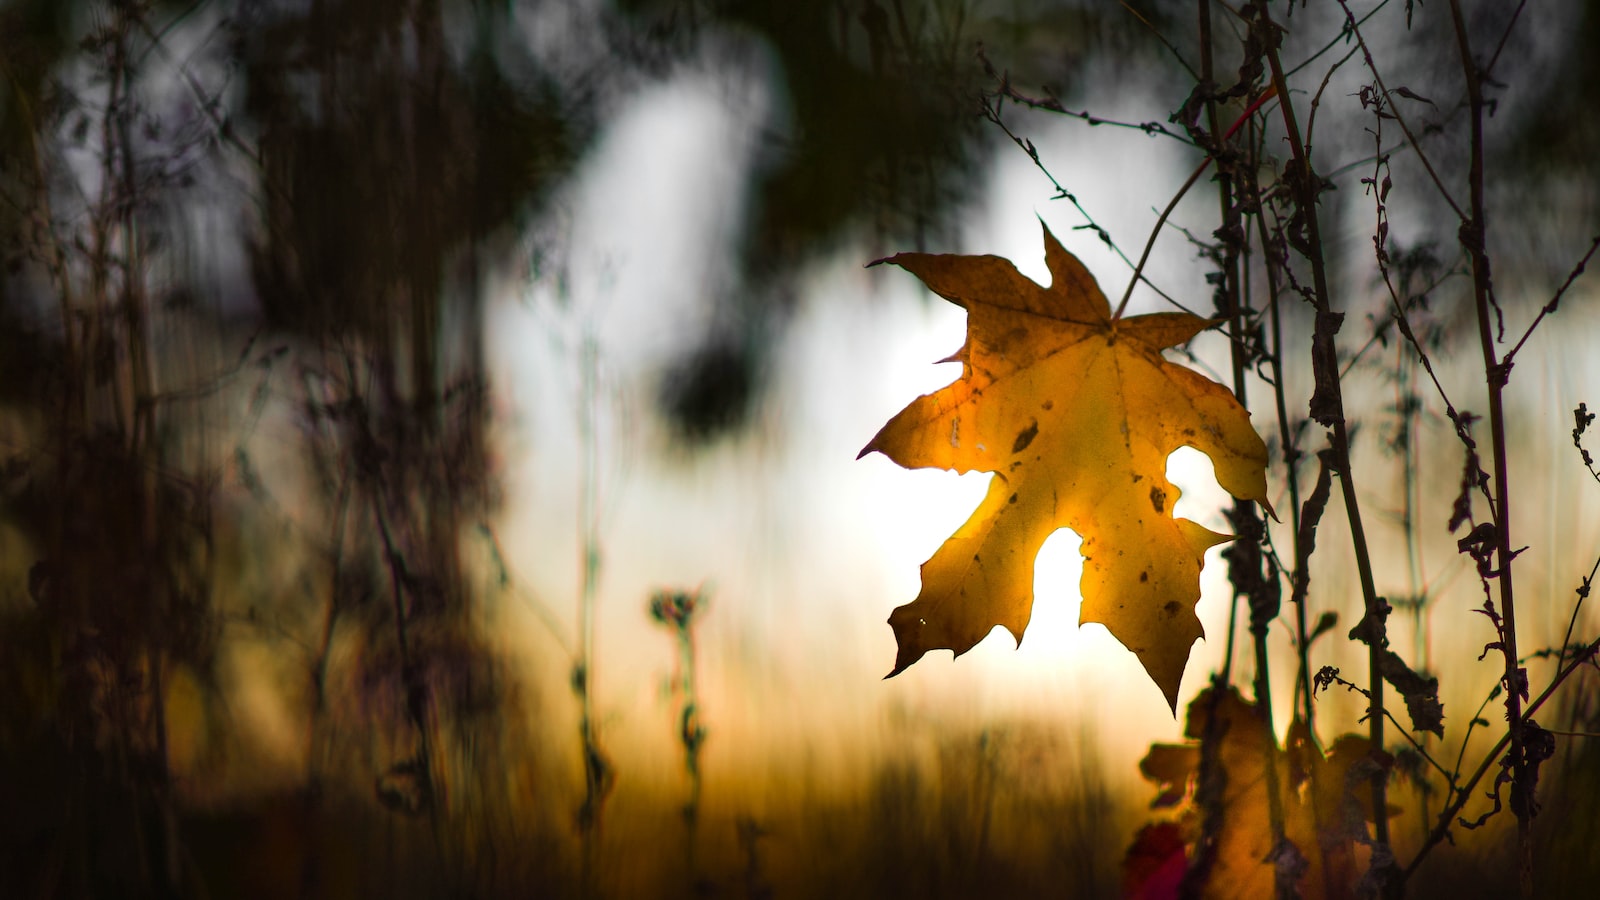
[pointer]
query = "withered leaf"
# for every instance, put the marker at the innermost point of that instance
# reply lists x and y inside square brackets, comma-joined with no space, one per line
[1325,799]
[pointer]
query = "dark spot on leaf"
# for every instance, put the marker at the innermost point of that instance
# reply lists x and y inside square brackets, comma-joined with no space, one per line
[1138,478]
[1025,437]
[1013,499]
[1144,577]
[1158,499]
[1171,608]
[1048,405]
[975,558]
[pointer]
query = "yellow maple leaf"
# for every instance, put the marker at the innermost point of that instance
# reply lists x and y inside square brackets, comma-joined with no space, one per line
[1075,411]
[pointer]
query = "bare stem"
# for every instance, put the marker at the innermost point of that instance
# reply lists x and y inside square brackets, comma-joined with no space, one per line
[1305,180]
[1474,235]
[1233,234]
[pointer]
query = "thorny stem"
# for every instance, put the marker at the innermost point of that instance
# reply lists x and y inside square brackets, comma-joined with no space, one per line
[316,720]
[1374,604]
[1474,233]
[1051,103]
[1466,739]
[690,734]
[1306,181]
[411,678]
[678,611]
[1417,602]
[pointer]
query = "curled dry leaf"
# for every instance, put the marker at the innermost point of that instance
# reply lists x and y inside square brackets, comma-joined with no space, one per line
[1326,801]
[1076,412]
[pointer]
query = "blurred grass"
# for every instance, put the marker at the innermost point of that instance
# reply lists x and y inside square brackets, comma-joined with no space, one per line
[1007,811]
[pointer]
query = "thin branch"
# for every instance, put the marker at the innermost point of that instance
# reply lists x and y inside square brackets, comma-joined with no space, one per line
[992,113]
[1138,270]
[1472,723]
[1051,103]
[1160,37]
[1373,340]
[1348,685]
[1464,792]
[1344,34]
[1504,36]
[1583,594]
[1316,99]
[1555,301]
[1173,204]
[221,131]
[1416,145]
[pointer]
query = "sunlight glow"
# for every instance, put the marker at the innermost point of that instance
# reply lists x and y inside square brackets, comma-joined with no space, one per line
[805,549]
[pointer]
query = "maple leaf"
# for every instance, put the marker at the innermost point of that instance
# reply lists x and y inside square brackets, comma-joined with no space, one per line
[1075,411]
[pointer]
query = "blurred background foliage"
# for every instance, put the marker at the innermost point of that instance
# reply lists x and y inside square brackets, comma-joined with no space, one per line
[203,199]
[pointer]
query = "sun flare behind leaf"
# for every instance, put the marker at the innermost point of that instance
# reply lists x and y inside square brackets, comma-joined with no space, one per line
[1076,412]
